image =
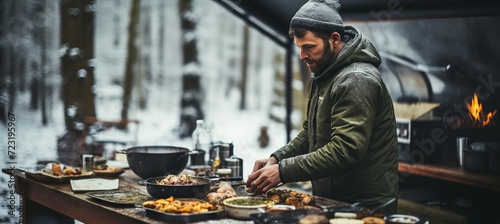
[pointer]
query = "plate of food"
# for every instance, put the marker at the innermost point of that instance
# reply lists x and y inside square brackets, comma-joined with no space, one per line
[58,173]
[186,210]
[119,197]
[107,171]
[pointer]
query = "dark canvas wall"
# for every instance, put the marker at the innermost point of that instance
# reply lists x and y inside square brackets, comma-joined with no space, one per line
[469,46]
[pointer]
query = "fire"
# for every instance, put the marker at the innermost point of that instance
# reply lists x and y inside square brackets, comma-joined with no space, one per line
[476,112]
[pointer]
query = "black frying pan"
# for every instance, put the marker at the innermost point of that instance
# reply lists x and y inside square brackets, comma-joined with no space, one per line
[199,190]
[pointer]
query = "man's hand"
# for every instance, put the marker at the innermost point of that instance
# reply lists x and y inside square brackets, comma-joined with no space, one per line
[265,176]
[263,162]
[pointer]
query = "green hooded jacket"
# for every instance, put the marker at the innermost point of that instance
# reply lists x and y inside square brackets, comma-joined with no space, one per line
[348,145]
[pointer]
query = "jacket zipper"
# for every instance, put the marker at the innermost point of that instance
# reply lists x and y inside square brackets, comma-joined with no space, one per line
[315,113]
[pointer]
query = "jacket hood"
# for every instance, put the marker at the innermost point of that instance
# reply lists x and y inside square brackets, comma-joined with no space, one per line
[357,48]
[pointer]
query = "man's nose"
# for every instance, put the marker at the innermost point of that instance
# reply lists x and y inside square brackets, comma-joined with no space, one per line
[303,55]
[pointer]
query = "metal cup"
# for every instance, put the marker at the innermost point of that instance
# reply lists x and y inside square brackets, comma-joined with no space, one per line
[236,166]
[461,146]
[87,162]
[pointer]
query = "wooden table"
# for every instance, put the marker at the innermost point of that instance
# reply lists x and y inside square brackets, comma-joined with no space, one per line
[453,174]
[66,203]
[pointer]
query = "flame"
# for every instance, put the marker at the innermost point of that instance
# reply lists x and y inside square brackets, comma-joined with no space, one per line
[476,112]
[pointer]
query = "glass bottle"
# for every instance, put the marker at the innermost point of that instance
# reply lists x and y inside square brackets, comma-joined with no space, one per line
[201,137]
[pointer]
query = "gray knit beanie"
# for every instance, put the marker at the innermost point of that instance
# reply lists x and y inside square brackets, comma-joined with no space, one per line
[321,15]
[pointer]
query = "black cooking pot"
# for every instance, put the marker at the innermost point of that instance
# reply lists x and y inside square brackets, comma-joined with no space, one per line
[199,190]
[154,161]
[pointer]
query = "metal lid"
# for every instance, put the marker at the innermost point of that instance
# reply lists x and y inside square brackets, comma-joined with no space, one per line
[232,161]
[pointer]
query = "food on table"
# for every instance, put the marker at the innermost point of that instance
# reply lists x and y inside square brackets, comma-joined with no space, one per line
[68,171]
[314,219]
[293,201]
[178,180]
[373,220]
[171,205]
[224,172]
[56,169]
[105,167]
[346,221]
[283,208]
[250,201]
[243,207]
[346,215]
[290,197]
[308,200]
[224,191]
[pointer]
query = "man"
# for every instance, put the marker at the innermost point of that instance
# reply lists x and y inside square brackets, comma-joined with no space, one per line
[348,145]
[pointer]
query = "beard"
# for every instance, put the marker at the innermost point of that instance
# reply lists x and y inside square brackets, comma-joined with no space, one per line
[323,62]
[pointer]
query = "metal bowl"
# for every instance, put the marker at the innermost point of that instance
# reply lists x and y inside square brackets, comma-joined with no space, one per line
[243,207]
[154,161]
[199,190]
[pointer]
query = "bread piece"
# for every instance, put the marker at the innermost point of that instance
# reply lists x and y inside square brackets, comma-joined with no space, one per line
[308,200]
[345,221]
[314,219]
[373,220]
[68,171]
[56,169]
[293,201]
[347,215]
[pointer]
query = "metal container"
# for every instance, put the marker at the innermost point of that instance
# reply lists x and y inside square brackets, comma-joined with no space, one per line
[475,160]
[236,166]
[87,162]
[225,151]
[155,161]
[200,189]
[198,159]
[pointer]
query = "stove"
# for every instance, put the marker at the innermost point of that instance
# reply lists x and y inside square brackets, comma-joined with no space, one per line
[425,140]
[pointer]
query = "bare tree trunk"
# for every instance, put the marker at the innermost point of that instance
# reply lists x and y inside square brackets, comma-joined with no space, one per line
[191,97]
[43,61]
[3,85]
[35,83]
[3,61]
[145,61]
[11,49]
[77,36]
[35,65]
[22,71]
[161,46]
[244,68]
[43,90]
[12,80]
[132,57]
[116,27]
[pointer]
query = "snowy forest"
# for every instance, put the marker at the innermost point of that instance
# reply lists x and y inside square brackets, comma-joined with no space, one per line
[148,69]
[123,57]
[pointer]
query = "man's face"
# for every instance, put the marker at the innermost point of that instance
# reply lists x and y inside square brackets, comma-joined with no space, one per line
[314,52]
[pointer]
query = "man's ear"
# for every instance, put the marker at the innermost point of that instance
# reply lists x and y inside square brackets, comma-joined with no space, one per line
[335,38]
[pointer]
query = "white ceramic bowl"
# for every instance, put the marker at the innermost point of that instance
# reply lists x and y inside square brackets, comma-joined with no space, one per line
[243,207]
[401,219]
